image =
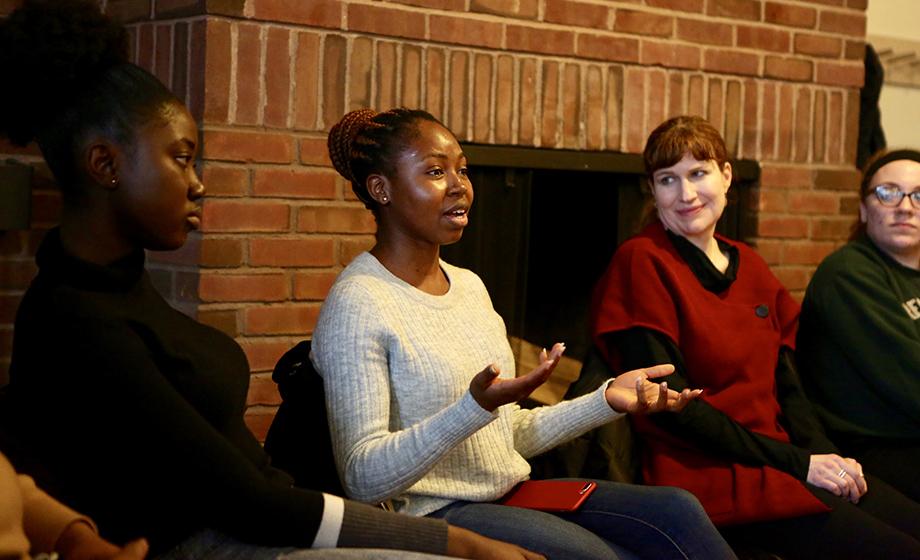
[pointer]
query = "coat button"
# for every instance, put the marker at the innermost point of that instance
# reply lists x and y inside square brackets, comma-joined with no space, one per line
[762,311]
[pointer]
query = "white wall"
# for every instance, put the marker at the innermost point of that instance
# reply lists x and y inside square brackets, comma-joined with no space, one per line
[894,18]
[900,106]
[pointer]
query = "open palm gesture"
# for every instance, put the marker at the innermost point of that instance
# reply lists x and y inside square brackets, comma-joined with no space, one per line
[632,392]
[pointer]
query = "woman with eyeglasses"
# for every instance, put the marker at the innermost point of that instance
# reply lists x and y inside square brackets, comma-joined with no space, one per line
[750,448]
[859,335]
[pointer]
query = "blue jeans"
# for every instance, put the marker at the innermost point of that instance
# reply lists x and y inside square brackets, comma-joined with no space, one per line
[214,545]
[618,521]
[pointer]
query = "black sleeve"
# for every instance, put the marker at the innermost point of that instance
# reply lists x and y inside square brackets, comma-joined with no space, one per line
[799,418]
[141,439]
[700,422]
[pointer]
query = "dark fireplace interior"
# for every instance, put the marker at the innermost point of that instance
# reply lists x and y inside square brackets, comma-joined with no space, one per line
[545,224]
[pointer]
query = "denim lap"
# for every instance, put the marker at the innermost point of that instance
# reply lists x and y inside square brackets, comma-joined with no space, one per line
[534,530]
[618,521]
[652,521]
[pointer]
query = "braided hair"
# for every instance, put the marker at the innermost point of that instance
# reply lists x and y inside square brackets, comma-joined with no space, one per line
[365,142]
[72,79]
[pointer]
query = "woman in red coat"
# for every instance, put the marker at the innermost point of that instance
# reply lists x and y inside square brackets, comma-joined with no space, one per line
[751,449]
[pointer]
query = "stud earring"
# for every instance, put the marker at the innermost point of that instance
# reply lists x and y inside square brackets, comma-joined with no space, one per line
[384,199]
[114,180]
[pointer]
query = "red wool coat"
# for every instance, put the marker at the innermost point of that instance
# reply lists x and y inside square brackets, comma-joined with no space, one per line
[730,343]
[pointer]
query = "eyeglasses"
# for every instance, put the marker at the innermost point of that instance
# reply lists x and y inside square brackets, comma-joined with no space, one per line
[890,195]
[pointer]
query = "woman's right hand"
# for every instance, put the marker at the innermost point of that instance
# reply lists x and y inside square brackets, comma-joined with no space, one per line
[491,392]
[632,392]
[838,475]
[463,543]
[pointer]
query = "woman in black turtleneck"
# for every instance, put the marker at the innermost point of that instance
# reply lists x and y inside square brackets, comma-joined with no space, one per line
[135,410]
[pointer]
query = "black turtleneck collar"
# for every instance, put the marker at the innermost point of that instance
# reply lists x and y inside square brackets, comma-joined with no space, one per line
[55,262]
[708,275]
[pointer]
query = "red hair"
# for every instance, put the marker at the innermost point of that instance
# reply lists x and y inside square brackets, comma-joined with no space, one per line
[673,138]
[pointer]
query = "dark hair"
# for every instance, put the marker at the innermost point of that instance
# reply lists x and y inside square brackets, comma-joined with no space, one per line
[875,162]
[364,142]
[668,144]
[68,76]
[673,138]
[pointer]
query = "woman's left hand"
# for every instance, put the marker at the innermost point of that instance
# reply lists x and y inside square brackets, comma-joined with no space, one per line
[632,392]
[841,476]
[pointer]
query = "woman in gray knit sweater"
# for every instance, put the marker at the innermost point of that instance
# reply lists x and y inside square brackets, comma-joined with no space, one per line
[400,339]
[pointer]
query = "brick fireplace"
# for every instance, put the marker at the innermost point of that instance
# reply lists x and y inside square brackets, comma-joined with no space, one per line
[267,78]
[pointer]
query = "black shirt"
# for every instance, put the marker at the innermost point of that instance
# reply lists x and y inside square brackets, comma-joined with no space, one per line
[136,411]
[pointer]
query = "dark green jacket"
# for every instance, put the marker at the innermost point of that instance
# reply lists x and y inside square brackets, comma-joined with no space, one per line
[858,345]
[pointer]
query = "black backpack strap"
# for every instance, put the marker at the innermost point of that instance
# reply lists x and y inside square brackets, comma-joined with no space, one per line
[298,440]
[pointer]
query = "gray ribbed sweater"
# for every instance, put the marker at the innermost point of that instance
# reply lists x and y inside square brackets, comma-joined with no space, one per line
[397,363]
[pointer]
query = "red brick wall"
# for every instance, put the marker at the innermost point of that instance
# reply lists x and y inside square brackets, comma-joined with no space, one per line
[267,78]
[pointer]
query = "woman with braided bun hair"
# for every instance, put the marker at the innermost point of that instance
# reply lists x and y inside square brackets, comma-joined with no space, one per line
[133,410]
[400,340]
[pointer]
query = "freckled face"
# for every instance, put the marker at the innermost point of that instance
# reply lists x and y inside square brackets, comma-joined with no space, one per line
[158,191]
[430,192]
[690,197]
[895,230]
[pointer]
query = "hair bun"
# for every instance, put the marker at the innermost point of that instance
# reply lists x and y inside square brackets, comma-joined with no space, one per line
[49,49]
[342,137]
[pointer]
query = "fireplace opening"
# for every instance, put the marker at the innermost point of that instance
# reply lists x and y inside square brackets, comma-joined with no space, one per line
[543,227]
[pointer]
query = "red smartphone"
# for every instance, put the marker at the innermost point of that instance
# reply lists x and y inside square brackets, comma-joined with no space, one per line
[550,495]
